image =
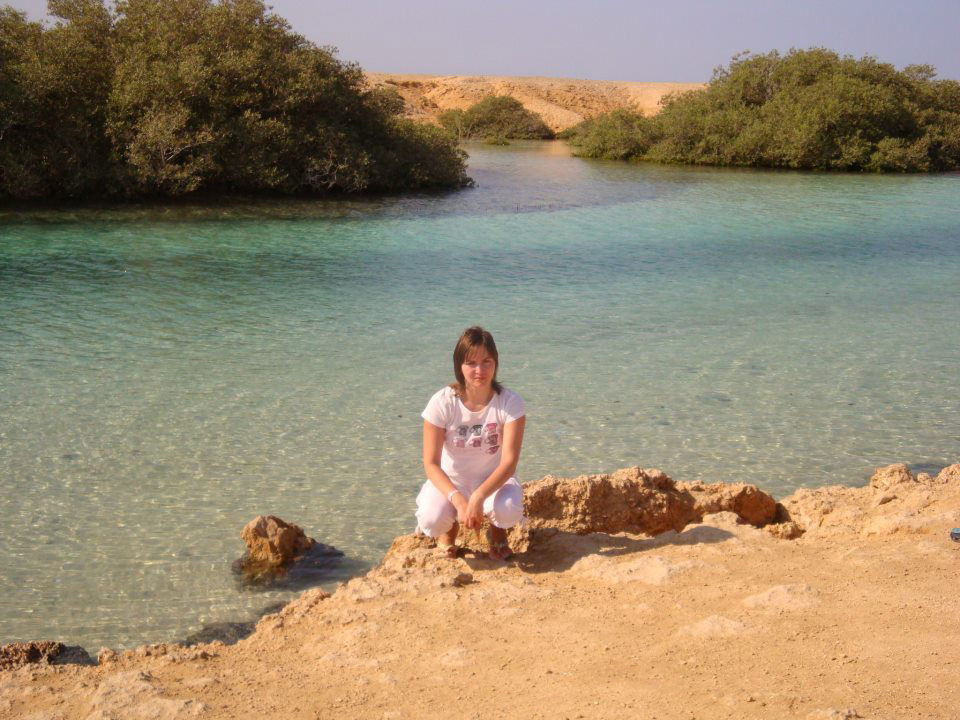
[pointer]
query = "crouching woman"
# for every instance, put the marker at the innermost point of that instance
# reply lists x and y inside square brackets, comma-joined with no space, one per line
[472,434]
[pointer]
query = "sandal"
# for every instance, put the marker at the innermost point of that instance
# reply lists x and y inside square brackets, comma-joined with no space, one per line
[451,550]
[499,549]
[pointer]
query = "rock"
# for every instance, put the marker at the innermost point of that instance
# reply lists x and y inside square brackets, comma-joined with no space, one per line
[885,478]
[462,579]
[279,552]
[273,542]
[631,499]
[751,504]
[895,502]
[949,475]
[44,652]
[637,500]
[788,530]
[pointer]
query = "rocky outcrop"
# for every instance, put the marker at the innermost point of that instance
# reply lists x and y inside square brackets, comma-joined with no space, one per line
[894,501]
[950,475]
[44,652]
[639,501]
[890,476]
[629,500]
[749,503]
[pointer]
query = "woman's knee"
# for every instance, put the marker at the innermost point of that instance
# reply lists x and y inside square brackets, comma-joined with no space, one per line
[507,506]
[435,515]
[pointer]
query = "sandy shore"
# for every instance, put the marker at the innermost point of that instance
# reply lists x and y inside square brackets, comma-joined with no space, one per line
[561,102]
[857,618]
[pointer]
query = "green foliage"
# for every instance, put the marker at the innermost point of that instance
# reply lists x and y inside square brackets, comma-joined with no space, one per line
[169,97]
[809,109]
[53,87]
[618,135]
[496,117]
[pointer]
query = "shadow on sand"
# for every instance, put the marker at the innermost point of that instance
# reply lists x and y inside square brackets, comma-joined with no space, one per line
[553,550]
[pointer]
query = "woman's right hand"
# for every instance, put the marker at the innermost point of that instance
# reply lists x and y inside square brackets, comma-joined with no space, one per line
[460,503]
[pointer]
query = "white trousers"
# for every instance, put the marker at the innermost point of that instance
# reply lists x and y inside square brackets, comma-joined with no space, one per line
[436,514]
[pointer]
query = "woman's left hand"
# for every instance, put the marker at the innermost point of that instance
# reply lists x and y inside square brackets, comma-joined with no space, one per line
[474,513]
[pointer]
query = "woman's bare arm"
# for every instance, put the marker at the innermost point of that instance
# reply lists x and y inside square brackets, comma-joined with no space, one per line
[432,446]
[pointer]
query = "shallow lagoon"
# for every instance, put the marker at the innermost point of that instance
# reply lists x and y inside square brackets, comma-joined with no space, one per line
[168,373]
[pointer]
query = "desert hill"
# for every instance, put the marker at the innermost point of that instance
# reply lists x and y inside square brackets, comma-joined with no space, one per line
[561,102]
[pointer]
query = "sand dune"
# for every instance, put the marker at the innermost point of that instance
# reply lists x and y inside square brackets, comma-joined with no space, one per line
[562,102]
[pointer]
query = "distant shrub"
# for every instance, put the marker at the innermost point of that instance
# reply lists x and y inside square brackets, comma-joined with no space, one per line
[496,116]
[809,109]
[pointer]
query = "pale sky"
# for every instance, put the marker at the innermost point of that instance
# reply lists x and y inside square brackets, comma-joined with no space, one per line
[668,40]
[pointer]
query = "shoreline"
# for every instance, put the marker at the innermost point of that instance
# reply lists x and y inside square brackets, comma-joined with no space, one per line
[716,619]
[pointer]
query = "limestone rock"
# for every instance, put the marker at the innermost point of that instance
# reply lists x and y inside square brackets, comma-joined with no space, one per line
[788,530]
[19,654]
[273,542]
[885,478]
[894,502]
[949,475]
[751,504]
[44,652]
[629,500]
[279,553]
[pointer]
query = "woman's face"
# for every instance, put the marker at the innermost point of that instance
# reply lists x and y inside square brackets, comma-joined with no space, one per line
[479,368]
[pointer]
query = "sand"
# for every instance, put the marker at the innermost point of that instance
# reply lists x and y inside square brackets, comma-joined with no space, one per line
[561,102]
[854,619]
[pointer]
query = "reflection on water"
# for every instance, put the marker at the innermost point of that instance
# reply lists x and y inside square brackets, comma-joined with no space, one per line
[169,372]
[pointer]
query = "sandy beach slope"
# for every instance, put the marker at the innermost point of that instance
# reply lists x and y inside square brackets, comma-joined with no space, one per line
[857,618]
[561,102]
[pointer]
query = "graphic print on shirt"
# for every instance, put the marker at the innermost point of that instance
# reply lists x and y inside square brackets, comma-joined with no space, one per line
[476,436]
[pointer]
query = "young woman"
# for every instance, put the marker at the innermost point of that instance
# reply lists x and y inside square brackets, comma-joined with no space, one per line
[472,434]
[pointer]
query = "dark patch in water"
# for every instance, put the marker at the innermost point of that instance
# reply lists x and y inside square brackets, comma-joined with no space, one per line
[929,467]
[230,633]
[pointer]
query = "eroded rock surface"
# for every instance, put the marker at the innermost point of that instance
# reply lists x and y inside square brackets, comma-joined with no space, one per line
[895,501]
[640,501]
[629,500]
[751,504]
[281,553]
[273,542]
[43,652]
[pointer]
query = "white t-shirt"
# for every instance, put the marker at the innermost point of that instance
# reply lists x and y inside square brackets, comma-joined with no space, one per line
[473,441]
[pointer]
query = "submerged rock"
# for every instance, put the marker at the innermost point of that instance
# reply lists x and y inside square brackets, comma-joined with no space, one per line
[271,541]
[277,549]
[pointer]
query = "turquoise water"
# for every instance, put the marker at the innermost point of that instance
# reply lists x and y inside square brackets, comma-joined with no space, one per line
[168,373]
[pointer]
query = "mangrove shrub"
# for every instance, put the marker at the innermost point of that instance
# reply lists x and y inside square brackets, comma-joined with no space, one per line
[170,97]
[809,109]
[496,118]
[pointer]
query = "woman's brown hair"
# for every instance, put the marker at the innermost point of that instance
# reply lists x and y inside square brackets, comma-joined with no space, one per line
[473,338]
